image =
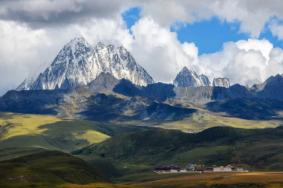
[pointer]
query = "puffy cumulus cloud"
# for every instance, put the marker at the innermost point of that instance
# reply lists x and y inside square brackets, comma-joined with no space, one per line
[262,46]
[159,52]
[275,65]
[252,14]
[245,62]
[20,51]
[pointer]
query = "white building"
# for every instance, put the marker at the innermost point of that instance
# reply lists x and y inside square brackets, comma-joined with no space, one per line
[227,168]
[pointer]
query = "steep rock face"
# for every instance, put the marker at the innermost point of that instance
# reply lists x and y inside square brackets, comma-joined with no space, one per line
[221,82]
[103,83]
[69,69]
[189,78]
[78,63]
[198,95]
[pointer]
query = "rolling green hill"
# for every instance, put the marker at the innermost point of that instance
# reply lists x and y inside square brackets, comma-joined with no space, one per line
[45,168]
[255,148]
[51,132]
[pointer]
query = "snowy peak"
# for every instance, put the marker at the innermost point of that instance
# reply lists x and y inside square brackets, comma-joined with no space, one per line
[76,49]
[221,82]
[78,63]
[189,78]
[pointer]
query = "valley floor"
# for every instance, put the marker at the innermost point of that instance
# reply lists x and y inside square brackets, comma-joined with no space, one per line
[207,180]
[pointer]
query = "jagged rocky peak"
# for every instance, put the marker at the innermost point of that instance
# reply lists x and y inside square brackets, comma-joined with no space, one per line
[221,82]
[78,63]
[77,48]
[189,78]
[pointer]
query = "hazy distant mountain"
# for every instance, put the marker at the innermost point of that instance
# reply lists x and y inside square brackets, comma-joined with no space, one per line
[78,63]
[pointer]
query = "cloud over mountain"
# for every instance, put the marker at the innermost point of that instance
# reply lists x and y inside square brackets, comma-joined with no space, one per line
[32,32]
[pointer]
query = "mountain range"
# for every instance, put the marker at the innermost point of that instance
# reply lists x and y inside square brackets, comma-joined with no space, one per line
[81,74]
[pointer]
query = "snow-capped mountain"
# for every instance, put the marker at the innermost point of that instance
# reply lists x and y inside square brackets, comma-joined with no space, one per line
[78,63]
[189,78]
[221,82]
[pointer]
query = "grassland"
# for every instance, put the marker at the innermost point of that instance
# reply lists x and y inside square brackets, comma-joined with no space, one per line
[46,168]
[256,149]
[20,124]
[203,119]
[47,131]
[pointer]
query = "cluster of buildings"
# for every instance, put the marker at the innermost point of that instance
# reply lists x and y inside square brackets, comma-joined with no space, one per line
[196,168]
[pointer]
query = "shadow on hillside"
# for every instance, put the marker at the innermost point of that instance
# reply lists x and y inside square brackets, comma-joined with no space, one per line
[248,108]
[31,101]
[105,108]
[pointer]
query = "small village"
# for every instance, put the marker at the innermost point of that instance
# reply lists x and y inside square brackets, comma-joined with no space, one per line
[197,168]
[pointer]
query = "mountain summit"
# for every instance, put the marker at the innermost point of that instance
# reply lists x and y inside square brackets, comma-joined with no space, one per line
[189,78]
[78,63]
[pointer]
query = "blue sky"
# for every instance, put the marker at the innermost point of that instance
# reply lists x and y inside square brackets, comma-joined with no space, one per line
[208,35]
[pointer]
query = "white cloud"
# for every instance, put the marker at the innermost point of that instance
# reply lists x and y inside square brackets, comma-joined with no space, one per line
[252,14]
[19,52]
[245,62]
[262,46]
[275,65]
[277,30]
[159,52]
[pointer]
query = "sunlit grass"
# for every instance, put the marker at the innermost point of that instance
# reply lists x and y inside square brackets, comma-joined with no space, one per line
[203,120]
[18,124]
[51,127]
[91,136]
